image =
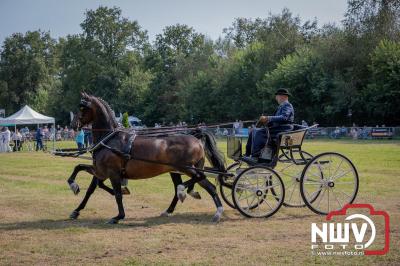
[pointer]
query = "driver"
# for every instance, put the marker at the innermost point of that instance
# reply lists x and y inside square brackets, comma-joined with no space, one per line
[281,121]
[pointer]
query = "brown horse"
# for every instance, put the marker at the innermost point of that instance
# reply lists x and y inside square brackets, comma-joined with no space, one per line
[119,154]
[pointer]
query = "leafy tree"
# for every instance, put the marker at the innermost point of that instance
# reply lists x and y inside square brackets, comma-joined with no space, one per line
[125,121]
[27,69]
[302,73]
[383,92]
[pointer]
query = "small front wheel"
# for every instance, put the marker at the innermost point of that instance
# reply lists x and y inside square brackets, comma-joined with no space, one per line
[258,192]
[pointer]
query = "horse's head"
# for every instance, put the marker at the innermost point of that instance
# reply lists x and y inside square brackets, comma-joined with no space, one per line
[94,110]
[86,112]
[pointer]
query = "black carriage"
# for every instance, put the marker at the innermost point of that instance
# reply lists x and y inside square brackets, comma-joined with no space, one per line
[323,183]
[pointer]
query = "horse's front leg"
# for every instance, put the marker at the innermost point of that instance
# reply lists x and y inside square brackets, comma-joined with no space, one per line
[89,192]
[71,180]
[177,179]
[116,184]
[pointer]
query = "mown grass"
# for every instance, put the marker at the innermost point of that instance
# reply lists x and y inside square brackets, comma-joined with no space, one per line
[35,202]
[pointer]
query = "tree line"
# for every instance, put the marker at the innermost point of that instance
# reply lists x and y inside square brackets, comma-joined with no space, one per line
[337,74]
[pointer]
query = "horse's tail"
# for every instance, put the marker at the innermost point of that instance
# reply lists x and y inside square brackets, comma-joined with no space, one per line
[214,156]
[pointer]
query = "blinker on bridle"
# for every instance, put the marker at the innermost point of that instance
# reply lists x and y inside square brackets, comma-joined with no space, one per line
[84,103]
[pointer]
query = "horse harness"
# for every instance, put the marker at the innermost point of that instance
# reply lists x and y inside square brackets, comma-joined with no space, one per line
[126,149]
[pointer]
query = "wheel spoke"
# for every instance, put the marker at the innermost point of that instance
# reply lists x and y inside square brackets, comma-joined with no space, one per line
[340,205]
[246,197]
[321,196]
[345,194]
[337,169]
[251,203]
[313,184]
[268,203]
[319,176]
[341,175]
[328,198]
[291,194]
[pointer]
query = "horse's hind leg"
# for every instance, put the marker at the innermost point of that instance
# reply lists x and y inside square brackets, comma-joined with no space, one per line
[191,192]
[89,192]
[195,177]
[116,184]
[101,185]
[177,179]
[211,189]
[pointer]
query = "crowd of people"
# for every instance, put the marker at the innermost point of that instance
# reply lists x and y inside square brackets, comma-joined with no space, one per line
[353,132]
[27,139]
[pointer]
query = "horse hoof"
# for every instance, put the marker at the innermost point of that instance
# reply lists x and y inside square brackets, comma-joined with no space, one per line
[74,187]
[218,215]
[182,196]
[113,221]
[74,215]
[125,191]
[195,194]
[216,218]
[181,192]
[165,214]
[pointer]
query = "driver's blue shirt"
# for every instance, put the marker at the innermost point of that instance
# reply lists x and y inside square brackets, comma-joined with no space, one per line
[281,121]
[284,115]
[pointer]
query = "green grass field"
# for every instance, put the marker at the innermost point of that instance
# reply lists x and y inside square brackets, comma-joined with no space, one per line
[35,202]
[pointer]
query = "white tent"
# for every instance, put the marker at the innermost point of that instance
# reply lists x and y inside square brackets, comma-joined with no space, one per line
[27,116]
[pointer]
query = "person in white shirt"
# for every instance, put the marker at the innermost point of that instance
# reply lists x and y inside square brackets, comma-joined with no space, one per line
[6,137]
[2,135]
[16,138]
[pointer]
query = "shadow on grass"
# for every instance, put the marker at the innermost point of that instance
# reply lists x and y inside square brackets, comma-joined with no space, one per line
[101,223]
[82,224]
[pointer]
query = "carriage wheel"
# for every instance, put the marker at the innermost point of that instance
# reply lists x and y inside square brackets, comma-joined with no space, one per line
[291,175]
[258,192]
[331,181]
[226,184]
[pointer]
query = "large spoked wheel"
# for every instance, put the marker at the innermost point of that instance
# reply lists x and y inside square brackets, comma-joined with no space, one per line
[226,182]
[290,173]
[330,180]
[258,192]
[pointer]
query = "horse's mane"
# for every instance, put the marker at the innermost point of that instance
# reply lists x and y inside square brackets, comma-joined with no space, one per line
[105,107]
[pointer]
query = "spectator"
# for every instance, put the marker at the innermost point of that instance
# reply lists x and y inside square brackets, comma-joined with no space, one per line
[2,149]
[17,138]
[58,135]
[366,132]
[336,133]
[343,131]
[45,132]
[71,134]
[39,139]
[65,133]
[218,131]
[236,127]
[52,132]
[88,136]
[80,139]
[5,140]
[304,123]
[354,133]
